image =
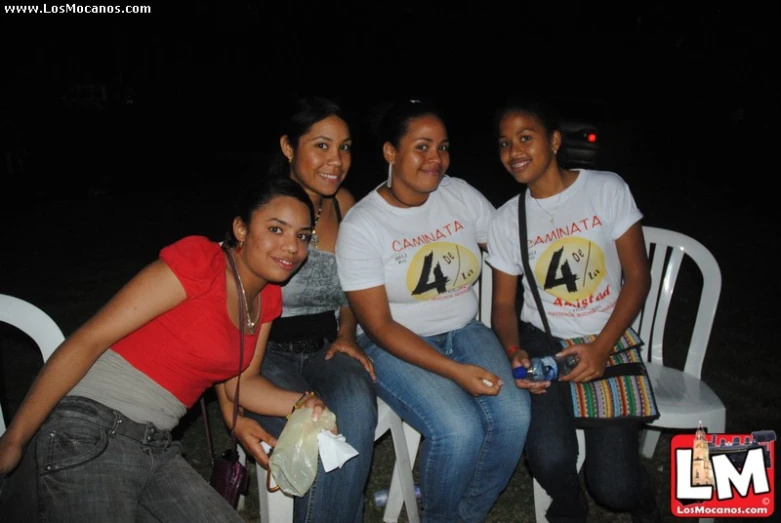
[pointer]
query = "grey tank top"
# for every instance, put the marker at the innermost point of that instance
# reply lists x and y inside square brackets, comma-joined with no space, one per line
[118,385]
[314,288]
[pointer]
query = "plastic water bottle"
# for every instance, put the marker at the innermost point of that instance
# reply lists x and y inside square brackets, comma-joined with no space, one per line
[546,368]
[381,496]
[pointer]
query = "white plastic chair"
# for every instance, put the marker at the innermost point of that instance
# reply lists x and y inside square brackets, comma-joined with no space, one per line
[35,323]
[682,397]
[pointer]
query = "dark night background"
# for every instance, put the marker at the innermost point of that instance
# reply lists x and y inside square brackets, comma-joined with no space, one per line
[122,133]
[143,100]
[177,106]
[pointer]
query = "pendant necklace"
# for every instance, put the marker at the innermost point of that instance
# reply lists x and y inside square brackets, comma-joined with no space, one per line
[550,215]
[314,239]
[247,321]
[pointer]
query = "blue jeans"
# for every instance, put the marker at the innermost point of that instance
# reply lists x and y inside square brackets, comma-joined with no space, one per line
[471,445]
[349,392]
[615,477]
[89,463]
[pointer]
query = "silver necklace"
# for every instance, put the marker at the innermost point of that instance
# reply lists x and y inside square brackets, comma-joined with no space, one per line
[314,239]
[545,211]
[247,321]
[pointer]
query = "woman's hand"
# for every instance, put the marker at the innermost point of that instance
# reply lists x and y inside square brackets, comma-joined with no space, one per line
[250,434]
[477,381]
[521,359]
[318,406]
[10,455]
[593,362]
[351,348]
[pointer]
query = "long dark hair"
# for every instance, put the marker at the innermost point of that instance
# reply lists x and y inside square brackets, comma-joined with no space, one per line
[302,115]
[260,193]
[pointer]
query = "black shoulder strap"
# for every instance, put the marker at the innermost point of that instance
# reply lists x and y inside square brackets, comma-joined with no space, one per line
[338,210]
[527,271]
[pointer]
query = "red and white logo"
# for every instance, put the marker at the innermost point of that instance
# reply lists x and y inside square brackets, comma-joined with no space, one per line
[723,475]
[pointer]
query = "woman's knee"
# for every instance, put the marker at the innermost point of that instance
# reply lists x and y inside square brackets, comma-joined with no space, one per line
[462,436]
[550,461]
[356,413]
[546,439]
[509,423]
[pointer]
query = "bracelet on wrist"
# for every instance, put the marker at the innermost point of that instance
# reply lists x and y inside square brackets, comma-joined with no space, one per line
[300,403]
[512,350]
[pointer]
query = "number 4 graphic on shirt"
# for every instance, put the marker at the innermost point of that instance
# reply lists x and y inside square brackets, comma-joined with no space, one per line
[567,279]
[425,283]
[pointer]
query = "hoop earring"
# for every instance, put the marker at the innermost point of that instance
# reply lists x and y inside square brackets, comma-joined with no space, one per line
[390,175]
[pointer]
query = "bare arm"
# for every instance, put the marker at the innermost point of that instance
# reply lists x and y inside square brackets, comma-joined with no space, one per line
[345,338]
[345,341]
[504,321]
[504,317]
[256,393]
[248,431]
[149,294]
[637,281]
[347,324]
[373,313]
[259,395]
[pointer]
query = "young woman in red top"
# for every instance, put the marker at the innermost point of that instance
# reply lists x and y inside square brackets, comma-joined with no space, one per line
[96,422]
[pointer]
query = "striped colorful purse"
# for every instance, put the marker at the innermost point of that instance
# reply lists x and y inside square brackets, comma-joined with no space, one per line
[623,392]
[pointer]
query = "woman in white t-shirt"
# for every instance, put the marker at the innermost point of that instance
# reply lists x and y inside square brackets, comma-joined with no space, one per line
[587,252]
[408,255]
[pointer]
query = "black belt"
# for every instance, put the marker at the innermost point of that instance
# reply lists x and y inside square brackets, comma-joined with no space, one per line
[306,346]
[79,407]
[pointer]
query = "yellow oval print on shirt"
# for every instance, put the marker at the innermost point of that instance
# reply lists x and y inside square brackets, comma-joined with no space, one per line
[571,268]
[440,268]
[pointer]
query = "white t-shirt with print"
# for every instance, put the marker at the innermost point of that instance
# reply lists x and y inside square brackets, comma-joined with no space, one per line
[427,257]
[572,251]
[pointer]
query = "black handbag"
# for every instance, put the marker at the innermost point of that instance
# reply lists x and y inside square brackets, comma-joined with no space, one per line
[624,392]
[229,475]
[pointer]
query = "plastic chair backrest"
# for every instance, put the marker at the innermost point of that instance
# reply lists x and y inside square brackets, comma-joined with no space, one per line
[667,251]
[35,323]
[484,288]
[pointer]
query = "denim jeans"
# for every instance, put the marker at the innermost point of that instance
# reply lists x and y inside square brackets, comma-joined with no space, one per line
[89,463]
[348,390]
[471,445]
[614,474]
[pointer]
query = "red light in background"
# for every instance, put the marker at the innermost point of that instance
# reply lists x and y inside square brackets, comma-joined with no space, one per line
[591,137]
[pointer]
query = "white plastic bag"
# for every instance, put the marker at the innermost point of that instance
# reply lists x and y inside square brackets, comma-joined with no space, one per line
[293,463]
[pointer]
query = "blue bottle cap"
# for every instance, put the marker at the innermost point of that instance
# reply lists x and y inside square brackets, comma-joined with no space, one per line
[520,373]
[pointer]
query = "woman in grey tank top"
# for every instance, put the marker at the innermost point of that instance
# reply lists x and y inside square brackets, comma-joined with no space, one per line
[312,346]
